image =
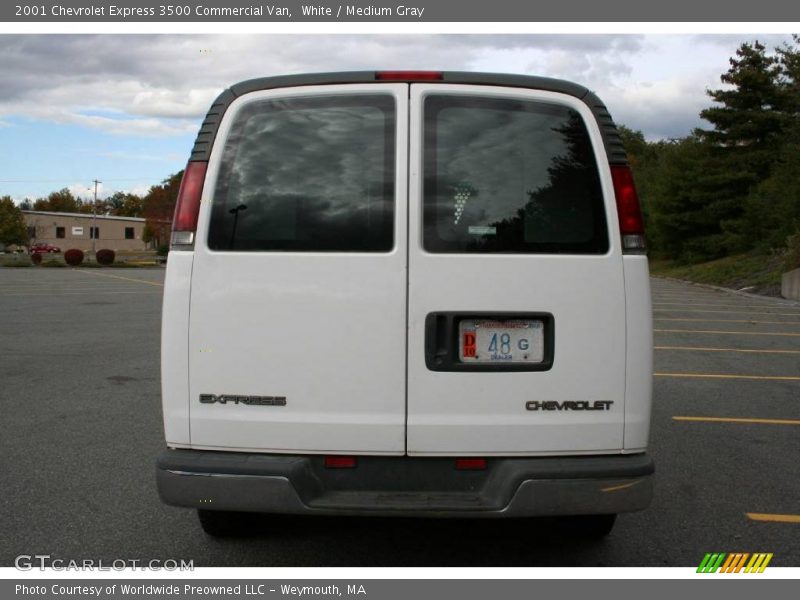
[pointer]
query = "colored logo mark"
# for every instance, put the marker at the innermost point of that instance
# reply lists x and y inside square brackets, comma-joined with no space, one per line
[469,344]
[734,562]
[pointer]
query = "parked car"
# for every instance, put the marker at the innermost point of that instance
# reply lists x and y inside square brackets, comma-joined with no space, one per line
[407,293]
[43,247]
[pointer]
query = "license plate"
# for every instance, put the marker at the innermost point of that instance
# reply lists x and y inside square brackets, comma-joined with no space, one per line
[512,341]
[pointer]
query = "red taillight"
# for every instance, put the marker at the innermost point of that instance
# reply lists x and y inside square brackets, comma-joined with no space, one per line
[409,75]
[340,462]
[184,222]
[470,464]
[631,225]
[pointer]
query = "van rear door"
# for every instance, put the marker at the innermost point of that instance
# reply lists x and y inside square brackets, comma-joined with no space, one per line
[516,295]
[298,298]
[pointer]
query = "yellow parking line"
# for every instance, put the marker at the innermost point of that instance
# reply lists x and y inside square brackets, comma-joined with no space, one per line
[716,295]
[722,376]
[92,293]
[118,277]
[738,420]
[730,321]
[110,287]
[723,305]
[676,298]
[728,312]
[713,295]
[726,332]
[773,518]
[750,350]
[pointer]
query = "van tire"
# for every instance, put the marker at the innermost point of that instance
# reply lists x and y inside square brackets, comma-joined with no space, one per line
[219,523]
[593,527]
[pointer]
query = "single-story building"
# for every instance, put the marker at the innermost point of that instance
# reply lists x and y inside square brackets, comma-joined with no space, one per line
[78,230]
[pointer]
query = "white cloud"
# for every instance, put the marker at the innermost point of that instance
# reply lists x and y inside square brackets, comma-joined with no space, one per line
[140,189]
[128,156]
[173,103]
[663,109]
[162,85]
[81,190]
[106,189]
[49,106]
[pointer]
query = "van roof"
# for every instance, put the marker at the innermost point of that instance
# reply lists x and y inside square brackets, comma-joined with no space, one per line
[208,130]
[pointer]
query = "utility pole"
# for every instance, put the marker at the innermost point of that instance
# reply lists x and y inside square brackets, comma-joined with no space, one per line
[94,218]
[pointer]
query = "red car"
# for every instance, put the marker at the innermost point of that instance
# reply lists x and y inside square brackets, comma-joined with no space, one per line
[42,247]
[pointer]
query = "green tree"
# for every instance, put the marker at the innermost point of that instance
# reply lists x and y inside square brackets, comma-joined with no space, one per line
[124,204]
[749,122]
[789,57]
[12,223]
[88,207]
[735,186]
[115,201]
[159,207]
[773,207]
[133,206]
[644,161]
[692,208]
[147,234]
[635,145]
[748,118]
[60,201]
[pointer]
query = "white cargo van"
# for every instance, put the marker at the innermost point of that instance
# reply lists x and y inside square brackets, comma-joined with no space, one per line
[407,293]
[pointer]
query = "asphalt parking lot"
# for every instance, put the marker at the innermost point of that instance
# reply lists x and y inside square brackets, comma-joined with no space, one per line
[81,427]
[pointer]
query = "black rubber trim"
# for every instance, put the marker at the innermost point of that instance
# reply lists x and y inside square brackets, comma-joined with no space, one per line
[208,130]
[374,471]
[442,343]
[403,486]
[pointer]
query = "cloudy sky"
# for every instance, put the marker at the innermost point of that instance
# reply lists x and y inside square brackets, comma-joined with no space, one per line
[125,108]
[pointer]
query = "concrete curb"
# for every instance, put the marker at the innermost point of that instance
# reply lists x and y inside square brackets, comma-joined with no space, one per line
[781,300]
[790,284]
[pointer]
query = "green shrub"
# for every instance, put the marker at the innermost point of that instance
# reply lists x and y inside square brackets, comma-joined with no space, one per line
[36,258]
[15,263]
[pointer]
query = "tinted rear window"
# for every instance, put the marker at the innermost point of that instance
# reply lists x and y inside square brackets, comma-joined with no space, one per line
[308,174]
[504,175]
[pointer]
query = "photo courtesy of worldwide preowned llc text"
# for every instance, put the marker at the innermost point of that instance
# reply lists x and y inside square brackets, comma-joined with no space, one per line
[371,299]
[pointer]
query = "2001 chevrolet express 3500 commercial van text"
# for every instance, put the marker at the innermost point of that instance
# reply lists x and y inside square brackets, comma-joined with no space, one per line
[407,293]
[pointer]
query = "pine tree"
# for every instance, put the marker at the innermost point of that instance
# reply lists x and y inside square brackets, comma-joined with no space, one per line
[736,186]
[773,208]
[688,207]
[789,57]
[749,120]
[644,159]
